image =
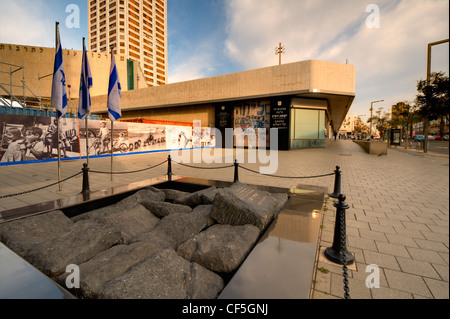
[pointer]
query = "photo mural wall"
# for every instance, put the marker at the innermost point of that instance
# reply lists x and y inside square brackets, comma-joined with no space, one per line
[26,139]
[250,117]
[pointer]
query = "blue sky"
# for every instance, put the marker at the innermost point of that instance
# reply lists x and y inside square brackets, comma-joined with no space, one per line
[213,37]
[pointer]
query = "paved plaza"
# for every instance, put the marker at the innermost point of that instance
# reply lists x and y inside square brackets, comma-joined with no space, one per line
[397,221]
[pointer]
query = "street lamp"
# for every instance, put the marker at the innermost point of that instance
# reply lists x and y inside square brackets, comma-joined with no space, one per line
[371,120]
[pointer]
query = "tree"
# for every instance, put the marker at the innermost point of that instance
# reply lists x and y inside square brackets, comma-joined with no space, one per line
[380,120]
[432,99]
[404,115]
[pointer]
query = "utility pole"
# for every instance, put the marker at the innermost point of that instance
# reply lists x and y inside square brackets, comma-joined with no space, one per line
[426,122]
[278,51]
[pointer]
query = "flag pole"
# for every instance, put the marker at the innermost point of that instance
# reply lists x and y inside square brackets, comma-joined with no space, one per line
[57,124]
[86,127]
[112,128]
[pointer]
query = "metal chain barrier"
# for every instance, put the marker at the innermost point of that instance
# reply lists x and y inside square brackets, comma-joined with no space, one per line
[190,166]
[43,187]
[344,258]
[295,177]
[130,172]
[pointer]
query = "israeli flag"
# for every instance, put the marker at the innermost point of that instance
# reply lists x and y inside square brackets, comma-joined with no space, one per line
[84,102]
[59,96]
[114,92]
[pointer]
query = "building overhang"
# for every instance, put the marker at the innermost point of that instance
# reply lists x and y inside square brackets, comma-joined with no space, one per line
[314,79]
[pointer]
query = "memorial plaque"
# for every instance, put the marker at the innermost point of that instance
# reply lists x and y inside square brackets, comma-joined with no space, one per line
[279,119]
[241,204]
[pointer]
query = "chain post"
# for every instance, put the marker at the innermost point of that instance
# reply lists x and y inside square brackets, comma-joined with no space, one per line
[236,171]
[85,188]
[337,183]
[338,248]
[169,168]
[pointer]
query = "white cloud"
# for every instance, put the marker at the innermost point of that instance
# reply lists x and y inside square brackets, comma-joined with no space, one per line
[24,22]
[388,60]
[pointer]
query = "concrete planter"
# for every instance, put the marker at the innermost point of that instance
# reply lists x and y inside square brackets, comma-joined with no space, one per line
[376,148]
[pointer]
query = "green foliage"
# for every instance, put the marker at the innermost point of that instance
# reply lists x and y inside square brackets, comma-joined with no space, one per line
[432,99]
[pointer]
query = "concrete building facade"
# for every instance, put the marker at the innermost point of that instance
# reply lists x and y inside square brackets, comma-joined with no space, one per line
[34,66]
[306,101]
[136,29]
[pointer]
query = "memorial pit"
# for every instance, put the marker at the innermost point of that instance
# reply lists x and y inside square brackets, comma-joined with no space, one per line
[155,243]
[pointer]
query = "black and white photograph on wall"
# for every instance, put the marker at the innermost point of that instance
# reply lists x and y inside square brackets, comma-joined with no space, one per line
[178,137]
[99,137]
[208,137]
[146,137]
[28,138]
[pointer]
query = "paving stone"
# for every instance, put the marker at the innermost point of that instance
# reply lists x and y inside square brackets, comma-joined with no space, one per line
[392,249]
[388,293]
[443,271]
[438,288]
[431,245]
[426,255]
[420,268]
[377,236]
[407,282]
[381,260]
[401,240]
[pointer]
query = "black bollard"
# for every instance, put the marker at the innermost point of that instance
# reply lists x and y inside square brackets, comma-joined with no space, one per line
[85,188]
[169,168]
[236,171]
[337,183]
[338,251]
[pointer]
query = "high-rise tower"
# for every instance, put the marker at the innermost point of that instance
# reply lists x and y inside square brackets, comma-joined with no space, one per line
[136,28]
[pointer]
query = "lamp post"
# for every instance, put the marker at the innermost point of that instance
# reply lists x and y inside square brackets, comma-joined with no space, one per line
[426,123]
[371,120]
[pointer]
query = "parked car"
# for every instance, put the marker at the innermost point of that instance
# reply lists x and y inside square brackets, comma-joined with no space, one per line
[419,138]
[431,137]
[445,137]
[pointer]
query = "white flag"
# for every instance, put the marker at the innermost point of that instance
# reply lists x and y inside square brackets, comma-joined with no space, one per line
[114,92]
[84,103]
[59,96]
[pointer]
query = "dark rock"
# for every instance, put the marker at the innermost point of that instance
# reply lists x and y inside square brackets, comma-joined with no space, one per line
[204,211]
[85,240]
[173,194]
[22,234]
[158,237]
[241,204]
[205,196]
[146,194]
[164,275]
[162,209]
[220,248]
[180,227]
[110,264]
[281,199]
[130,221]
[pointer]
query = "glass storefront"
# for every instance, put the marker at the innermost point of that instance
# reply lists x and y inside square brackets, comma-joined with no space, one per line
[307,127]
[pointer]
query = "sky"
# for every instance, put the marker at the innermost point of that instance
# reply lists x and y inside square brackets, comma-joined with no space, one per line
[386,40]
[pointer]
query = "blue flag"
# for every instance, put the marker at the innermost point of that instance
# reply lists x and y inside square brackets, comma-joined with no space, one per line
[84,102]
[59,96]
[114,92]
